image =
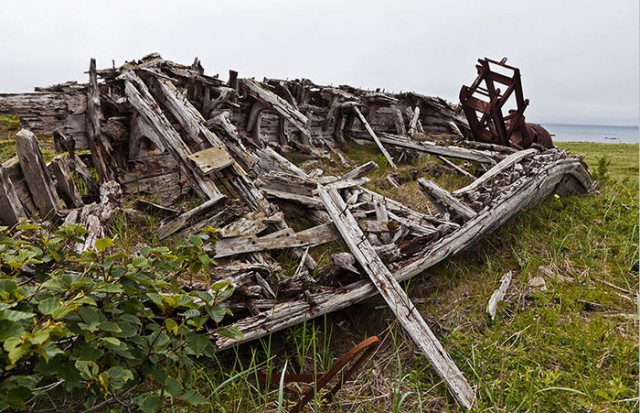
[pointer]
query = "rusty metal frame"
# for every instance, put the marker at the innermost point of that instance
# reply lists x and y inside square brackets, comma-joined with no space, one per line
[492,126]
[345,367]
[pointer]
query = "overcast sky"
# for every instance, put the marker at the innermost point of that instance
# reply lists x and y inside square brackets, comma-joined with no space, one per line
[579,59]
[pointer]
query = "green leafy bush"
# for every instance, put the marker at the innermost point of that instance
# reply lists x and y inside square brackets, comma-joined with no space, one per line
[85,330]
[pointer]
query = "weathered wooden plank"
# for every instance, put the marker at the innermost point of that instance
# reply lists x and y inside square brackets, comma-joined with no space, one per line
[375,137]
[11,209]
[456,167]
[444,201]
[405,311]
[361,171]
[65,183]
[98,143]
[497,169]
[176,224]
[36,174]
[431,148]
[280,105]
[498,295]
[286,238]
[141,100]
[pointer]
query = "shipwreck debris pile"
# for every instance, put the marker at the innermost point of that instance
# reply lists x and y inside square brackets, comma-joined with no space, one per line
[162,130]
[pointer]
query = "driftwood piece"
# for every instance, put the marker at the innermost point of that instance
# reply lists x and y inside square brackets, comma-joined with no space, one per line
[147,107]
[361,171]
[281,106]
[444,201]
[504,164]
[413,124]
[396,299]
[36,174]
[286,238]
[11,209]
[98,143]
[456,167]
[498,295]
[375,137]
[95,217]
[171,227]
[64,182]
[431,148]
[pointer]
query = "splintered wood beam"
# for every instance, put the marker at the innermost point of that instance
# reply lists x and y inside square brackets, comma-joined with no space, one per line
[176,224]
[281,106]
[11,209]
[64,182]
[456,167]
[375,137]
[486,157]
[98,143]
[444,201]
[95,217]
[405,311]
[36,174]
[147,107]
[413,124]
[282,239]
[361,171]
[497,170]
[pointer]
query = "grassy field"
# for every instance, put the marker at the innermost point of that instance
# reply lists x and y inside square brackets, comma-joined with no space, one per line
[572,347]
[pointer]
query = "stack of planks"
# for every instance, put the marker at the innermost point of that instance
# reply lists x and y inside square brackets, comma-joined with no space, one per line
[160,130]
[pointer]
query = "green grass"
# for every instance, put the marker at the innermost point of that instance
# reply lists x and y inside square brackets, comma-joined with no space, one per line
[9,126]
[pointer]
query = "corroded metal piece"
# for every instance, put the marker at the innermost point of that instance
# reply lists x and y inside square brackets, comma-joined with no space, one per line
[484,101]
[343,369]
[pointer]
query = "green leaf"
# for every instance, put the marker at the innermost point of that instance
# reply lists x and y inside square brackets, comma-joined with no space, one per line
[194,398]
[174,387]
[119,377]
[49,305]
[103,243]
[172,325]
[196,240]
[198,343]
[149,404]
[13,315]
[87,369]
[111,340]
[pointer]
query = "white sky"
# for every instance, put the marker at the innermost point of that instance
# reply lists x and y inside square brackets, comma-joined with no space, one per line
[579,58]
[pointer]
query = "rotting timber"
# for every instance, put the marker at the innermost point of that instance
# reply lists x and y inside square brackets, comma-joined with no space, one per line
[162,130]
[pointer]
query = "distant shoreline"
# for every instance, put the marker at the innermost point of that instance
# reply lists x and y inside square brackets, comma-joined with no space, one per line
[610,134]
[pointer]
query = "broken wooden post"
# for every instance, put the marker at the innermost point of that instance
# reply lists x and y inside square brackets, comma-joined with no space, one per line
[375,137]
[11,209]
[36,174]
[98,142]
[394,295]
[498,295]
[64,182]
[444,201]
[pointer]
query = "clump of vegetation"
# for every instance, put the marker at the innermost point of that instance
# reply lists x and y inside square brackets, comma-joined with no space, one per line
[91,329]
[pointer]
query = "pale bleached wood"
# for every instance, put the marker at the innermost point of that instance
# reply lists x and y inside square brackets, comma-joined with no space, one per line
[444,201]
[375,137]
[487,157]
[405,311]
[497,169]
[361,171]
[456,167]
[36,174]
[413,124]
[281,106]
[95,217]
[148,108]
[65,183]
[98,143]
[176,224]
[11,209]
[286,238]
[498,294]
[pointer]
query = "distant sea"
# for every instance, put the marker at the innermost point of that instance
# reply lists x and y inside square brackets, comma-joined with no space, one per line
[593,133]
